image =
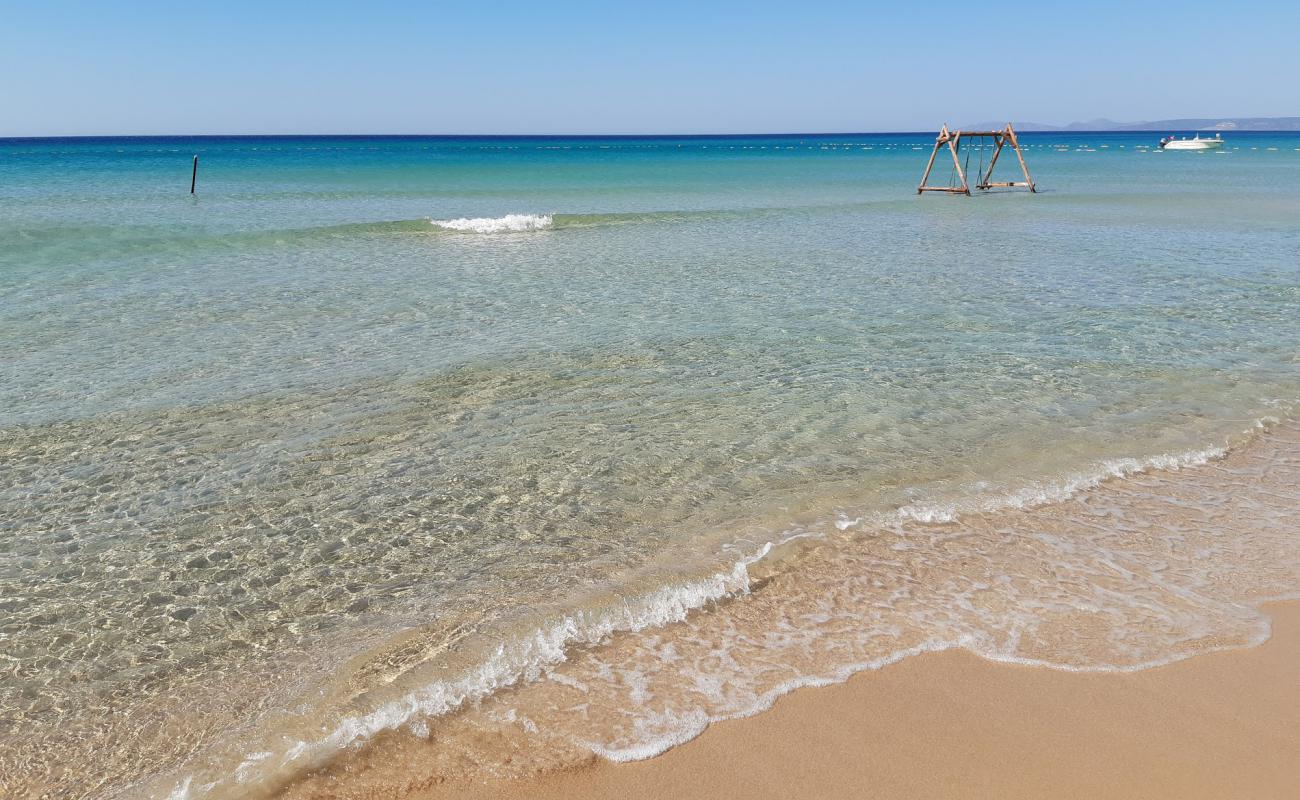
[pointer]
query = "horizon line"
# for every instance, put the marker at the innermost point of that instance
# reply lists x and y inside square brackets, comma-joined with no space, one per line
[733,134]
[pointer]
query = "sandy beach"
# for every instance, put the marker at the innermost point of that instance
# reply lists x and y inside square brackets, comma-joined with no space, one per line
[950,724]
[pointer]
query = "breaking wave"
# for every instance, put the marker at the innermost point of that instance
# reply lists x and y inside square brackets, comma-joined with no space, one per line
[538,654]
[521,660]
[510,223]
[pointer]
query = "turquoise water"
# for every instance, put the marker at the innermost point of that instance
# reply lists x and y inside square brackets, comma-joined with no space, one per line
[362,413]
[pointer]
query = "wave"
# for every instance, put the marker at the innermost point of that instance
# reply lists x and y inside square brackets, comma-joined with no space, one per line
[510,223]
[523,660]
[1041,494]
[74,243]
[1099,571]
[526,222]
[1035,494]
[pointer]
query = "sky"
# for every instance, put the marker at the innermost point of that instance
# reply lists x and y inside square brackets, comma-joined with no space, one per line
[557,67]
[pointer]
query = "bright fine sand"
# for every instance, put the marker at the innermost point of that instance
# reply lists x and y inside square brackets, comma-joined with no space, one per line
[1223,725]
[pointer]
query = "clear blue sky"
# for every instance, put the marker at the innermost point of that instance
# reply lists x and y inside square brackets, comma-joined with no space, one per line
[551,66]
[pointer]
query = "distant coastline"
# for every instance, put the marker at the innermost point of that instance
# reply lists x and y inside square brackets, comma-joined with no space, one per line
[1187,124]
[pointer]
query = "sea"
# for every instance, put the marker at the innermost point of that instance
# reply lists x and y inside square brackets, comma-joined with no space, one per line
[380,460]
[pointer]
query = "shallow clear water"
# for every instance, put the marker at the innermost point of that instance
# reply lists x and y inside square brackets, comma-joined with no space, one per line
[338,436]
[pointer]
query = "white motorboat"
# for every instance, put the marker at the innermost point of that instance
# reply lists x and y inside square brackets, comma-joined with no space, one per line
[1195,143]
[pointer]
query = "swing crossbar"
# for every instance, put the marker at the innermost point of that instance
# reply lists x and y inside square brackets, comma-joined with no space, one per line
[952,140]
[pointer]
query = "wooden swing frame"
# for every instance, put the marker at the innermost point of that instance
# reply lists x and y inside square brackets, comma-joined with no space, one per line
[952,139]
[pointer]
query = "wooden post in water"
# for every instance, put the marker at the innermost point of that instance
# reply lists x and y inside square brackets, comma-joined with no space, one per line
[194,175]
[952,141]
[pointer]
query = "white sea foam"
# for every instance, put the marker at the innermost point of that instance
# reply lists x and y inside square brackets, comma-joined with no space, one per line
[695,723]
[510,223]
[674,732]
[544,652]
[1040,494]
[527,659]
[524,659]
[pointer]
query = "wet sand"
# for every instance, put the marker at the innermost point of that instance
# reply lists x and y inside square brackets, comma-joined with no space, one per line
[951,724]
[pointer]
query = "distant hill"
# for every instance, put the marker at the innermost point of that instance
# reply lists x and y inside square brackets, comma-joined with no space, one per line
[1196,124]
